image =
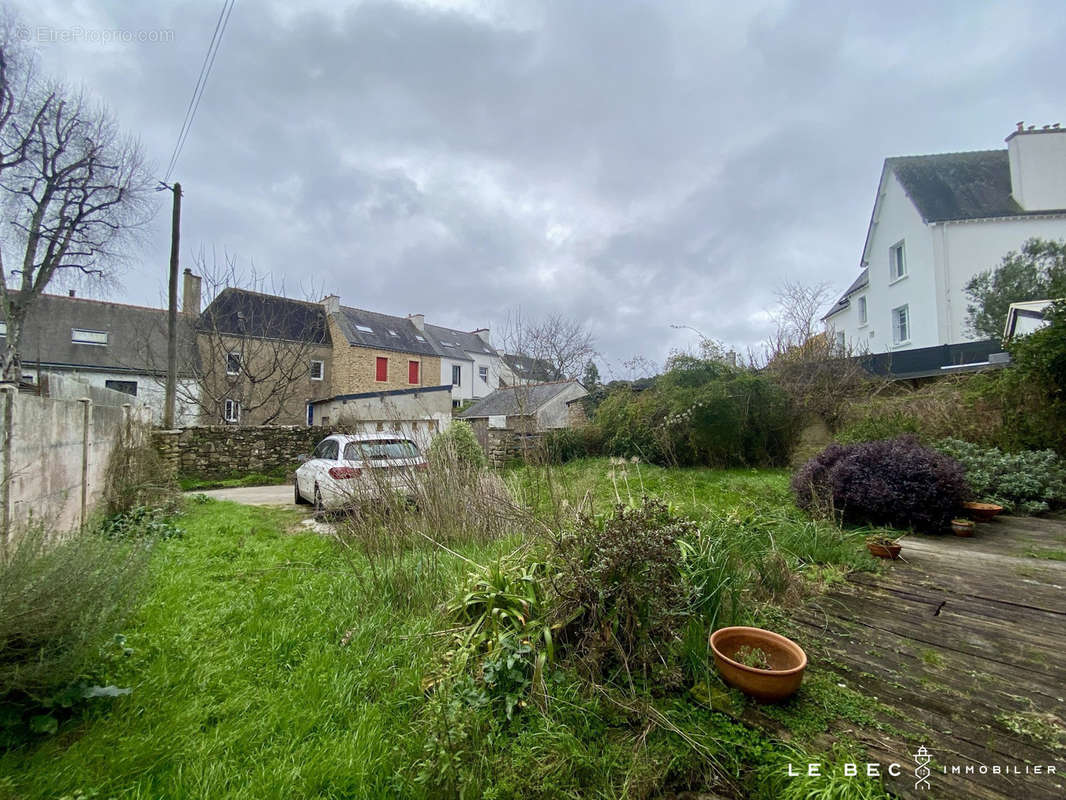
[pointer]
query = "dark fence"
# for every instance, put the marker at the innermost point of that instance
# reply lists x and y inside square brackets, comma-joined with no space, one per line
[928,361]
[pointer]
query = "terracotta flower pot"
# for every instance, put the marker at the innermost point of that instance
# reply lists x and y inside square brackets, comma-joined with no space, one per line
[884,550]
[962,527]
[786,658]
[982,512]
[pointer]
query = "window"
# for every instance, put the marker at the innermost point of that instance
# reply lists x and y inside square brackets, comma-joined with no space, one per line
[897,262]
[327,449]
[126,387]
[233,363]
[380,450]
[862,310]
[364,328]
[483,373]
[901,325]
[82,336]
[420,338]
[457,375]
[317,369]
[382,369]
[3,329]
[232,411]
[392,332]
[412,372]
[310,414]
[840,341]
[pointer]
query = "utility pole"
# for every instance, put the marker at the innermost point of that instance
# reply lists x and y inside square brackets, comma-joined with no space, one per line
[172,313]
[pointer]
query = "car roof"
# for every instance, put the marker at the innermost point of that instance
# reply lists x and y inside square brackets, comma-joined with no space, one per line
[369,437]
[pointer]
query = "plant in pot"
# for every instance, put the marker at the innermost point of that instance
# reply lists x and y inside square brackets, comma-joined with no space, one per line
[962,527]
[764,665]
[981,512]
[883,546]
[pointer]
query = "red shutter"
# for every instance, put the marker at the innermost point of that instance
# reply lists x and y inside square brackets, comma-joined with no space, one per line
[412,372]
[383,368]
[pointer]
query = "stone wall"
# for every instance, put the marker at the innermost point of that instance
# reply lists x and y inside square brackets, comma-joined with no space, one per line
[219,451]
[505,445]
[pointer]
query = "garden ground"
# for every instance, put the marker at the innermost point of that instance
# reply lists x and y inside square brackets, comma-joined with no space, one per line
[266,664]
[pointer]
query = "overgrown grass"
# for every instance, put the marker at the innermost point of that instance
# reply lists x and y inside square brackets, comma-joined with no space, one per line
[268,662]
[278,475]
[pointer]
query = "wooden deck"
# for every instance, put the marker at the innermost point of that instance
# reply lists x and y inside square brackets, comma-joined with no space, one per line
[965,644]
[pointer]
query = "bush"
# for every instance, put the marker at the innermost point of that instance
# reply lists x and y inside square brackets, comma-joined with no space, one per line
[568,444]
[60,600]
[622,599]
[1028,482]
[690,416]
[897,482]
[459,445]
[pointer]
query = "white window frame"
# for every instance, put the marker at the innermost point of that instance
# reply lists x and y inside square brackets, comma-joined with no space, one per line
[321,369]
[900,248]
[87,336]
[3,329]
[240,363]
[457,372]
[841,342]
[898,340]
[231,410]
[863,311]
[483,373]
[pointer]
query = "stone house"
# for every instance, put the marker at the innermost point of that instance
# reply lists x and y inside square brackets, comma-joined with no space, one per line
[263,359]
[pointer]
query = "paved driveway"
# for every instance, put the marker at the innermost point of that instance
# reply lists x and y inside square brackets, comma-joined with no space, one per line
[254,495]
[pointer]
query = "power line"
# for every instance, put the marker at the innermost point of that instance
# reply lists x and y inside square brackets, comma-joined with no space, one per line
[201,83]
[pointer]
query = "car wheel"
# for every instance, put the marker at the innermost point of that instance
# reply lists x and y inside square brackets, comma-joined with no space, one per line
[300,500]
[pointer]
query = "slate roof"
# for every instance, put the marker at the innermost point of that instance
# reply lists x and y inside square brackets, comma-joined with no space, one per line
[404,336]
[458,344]
[859,283]
[527,368]
[959,186]
[516,400]
[243,313]
[136,336]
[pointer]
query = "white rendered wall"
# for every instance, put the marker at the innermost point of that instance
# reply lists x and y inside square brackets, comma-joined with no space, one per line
[972,247]
[464,391]
[151,392]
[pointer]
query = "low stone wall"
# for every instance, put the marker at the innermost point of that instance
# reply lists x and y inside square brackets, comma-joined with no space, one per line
[218,451]
[504,445]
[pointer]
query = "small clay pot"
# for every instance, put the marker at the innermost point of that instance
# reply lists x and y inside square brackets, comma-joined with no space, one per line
[982,512]
[880,550]
[786,658]
[962,527]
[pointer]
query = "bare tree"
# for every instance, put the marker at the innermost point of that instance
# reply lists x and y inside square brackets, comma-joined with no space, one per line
[556,345]
[254,347]
[73,190]
[805,358]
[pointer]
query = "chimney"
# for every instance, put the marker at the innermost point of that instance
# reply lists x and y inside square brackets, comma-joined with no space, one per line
[1038,167]
[332,303]
[483,335]
[419,320]
[190,293]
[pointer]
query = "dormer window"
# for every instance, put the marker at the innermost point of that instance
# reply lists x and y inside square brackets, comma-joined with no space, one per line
[83,336]
[897,262]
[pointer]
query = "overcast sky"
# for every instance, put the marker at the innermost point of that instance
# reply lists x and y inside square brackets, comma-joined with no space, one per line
[633,164]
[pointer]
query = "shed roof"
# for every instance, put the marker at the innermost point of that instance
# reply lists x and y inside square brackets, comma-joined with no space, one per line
[517,400]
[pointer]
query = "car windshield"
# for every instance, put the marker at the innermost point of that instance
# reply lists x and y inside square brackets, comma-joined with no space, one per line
[380,449]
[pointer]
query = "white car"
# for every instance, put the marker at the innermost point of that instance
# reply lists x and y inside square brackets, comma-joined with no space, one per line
[345,469]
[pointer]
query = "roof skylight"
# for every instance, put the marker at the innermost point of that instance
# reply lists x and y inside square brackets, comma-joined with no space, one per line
[364,329]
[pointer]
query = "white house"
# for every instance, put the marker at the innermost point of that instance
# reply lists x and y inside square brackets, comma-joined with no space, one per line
[468,361]
[937,221]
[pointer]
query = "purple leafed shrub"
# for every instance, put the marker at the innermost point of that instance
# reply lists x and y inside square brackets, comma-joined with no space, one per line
[896,482]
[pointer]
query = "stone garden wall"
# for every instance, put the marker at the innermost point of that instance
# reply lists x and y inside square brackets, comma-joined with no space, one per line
[219,451]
